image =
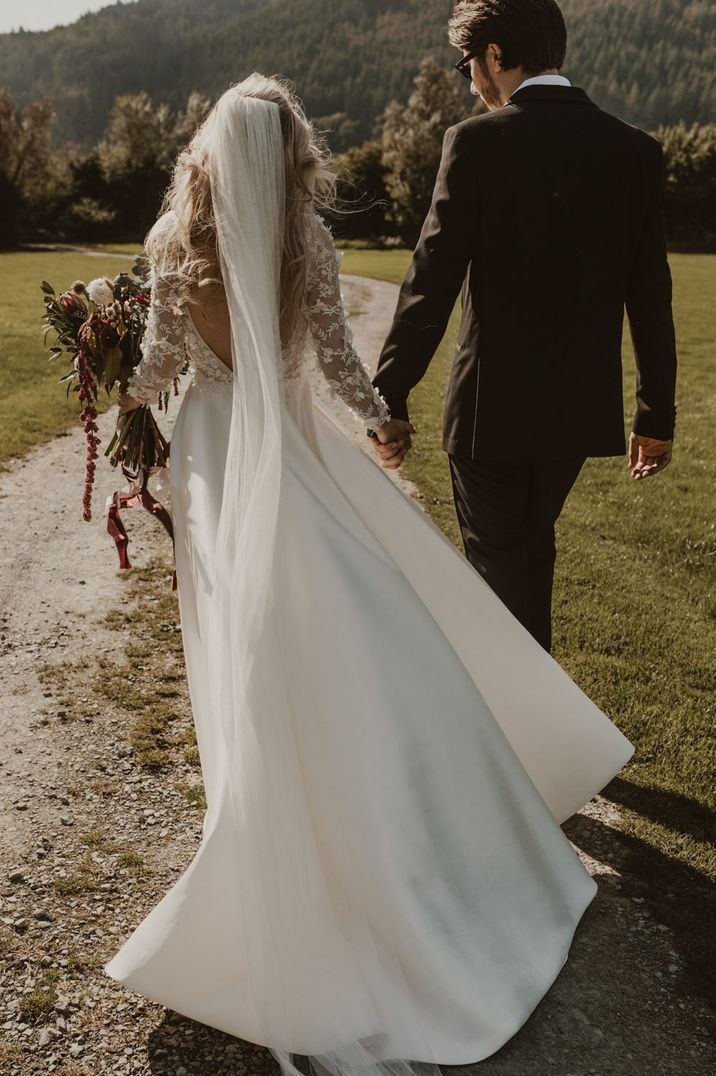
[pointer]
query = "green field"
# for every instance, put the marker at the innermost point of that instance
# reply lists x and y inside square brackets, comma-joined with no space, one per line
[635,597]
[33,407]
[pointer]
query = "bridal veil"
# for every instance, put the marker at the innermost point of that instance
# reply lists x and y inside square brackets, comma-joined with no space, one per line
[261,774]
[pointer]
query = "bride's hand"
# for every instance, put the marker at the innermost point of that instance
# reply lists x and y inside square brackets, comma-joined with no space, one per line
[393,442]
[127,403]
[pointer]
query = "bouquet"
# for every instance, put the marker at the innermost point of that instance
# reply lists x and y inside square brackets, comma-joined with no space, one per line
[98,327]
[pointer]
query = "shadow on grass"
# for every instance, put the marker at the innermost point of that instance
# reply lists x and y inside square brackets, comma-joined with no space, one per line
[679,813]
[676,895]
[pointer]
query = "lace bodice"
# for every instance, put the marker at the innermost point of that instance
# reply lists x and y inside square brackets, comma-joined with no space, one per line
[171,343]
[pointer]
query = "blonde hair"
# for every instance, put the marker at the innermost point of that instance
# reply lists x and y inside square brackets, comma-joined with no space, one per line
[181,245]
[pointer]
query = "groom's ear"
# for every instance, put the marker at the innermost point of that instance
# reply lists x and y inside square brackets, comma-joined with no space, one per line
[494,52]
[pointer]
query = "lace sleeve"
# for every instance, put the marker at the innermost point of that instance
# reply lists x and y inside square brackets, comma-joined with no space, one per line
[337,357]
[162,347]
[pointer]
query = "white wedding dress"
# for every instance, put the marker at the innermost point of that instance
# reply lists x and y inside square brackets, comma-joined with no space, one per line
[382,874]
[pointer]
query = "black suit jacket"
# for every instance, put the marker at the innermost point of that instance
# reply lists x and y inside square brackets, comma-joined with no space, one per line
[549,214]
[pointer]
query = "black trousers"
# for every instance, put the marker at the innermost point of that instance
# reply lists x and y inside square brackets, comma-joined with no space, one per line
[507,511]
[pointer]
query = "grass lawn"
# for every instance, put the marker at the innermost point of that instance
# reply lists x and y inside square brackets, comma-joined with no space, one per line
[635,607]
[118,248]
[33,407]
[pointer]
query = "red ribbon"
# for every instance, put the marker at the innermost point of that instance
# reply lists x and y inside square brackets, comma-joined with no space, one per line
[117,530]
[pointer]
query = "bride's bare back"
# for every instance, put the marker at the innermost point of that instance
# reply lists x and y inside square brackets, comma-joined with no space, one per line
[164,344]
[209,313]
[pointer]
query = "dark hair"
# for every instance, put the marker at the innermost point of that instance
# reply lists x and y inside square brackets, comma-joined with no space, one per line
[531,33]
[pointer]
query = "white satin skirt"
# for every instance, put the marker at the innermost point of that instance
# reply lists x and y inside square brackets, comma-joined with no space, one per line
[396,872]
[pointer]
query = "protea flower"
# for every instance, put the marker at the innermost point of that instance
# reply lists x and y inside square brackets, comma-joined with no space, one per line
[72,300]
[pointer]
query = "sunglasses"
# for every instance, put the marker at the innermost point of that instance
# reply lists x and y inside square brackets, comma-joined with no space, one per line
[463,65]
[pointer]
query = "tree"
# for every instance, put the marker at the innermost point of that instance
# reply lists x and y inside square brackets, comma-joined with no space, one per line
[138,136]
[186,122]
[412,142]
[690,155]
[649,61]
[137,153]
[25,137]
[87,213]
[10,212]
[362,185]
[339,130]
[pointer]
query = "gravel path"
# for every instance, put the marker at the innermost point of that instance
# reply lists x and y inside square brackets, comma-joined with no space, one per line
[80,818]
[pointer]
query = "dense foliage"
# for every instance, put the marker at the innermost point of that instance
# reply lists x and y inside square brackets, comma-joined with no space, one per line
[402,167]
[649,61]
[113,190]
[127,85]
[412,143]
[691,182]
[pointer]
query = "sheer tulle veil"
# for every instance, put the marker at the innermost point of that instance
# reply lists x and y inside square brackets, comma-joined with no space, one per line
[329,1010]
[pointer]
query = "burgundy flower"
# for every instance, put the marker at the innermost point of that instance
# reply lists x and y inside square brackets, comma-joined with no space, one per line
[70,300]
[88,416]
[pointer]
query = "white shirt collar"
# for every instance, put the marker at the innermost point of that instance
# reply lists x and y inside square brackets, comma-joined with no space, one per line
[544,80]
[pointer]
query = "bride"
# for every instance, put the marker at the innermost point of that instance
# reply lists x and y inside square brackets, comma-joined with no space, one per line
[382,884]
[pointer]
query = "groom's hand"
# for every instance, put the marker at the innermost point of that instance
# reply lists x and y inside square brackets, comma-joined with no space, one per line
[392,442]
[648,456]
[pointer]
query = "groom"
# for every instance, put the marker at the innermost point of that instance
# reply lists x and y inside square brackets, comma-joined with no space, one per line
[548,214]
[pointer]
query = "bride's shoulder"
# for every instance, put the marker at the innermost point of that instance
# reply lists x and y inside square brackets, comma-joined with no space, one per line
[317,228]
[321,248]
[169,290]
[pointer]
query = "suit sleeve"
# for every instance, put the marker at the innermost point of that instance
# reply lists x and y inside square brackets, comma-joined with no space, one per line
[648,304]
[435,277]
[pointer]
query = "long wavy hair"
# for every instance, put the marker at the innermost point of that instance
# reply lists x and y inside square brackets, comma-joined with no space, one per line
[181,245]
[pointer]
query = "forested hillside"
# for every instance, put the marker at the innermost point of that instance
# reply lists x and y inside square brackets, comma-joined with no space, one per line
[348,58]
[650,61]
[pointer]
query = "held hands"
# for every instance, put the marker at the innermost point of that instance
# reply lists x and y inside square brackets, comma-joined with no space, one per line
[393,442]
[648,456]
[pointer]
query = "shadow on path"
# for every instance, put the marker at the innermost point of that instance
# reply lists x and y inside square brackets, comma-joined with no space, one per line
[622,1005]
[678,896]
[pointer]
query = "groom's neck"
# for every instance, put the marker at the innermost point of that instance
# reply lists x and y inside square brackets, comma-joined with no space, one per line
[512,79]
